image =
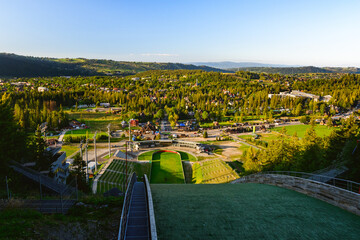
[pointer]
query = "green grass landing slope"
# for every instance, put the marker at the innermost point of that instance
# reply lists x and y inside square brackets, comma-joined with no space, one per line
[247,211]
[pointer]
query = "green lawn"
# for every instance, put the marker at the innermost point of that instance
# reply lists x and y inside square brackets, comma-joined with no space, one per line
[82,132]
[187,156]
[247,211]
[98,121]
[146,156]
[196,174]
[321,131]
[69,149]
[166,168]
[244,147]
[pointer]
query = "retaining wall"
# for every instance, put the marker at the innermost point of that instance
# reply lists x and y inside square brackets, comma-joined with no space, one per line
[342,198]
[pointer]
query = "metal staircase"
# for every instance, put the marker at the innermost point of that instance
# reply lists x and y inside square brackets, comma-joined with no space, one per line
[137,222]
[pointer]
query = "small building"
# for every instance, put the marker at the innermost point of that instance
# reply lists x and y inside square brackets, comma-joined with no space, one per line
[59,168]
[105,105]
[75,124]
[42,89]
[134,122]
[326,98]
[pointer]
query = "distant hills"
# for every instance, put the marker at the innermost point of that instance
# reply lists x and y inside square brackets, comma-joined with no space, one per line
[235,65]
[12,65]
[275,68]
[297,70]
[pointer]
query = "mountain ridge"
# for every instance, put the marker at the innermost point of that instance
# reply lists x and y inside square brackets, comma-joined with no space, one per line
[12,65]
[233,65]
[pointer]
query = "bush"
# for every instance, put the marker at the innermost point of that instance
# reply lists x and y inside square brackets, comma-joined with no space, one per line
[205,134]
[73,139]
[305,119]
[101,137]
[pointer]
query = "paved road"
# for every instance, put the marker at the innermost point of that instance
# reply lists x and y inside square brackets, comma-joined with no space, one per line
[62,134]
[243,141]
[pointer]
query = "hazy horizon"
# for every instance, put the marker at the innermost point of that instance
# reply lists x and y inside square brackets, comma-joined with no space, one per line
[306,33]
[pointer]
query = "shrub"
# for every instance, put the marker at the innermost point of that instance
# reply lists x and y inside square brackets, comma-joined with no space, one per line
[205,134]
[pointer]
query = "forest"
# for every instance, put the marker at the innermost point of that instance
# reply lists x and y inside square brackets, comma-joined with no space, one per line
[12,65]
[204,96]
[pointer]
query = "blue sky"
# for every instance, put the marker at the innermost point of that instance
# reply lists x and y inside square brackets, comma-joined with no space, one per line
[317,32]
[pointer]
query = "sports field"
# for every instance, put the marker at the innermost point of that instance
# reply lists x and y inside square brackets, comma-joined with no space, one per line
[321,131]
[247,211]
[166,168]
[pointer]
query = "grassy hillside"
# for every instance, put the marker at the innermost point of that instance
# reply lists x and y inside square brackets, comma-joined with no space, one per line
[12,65]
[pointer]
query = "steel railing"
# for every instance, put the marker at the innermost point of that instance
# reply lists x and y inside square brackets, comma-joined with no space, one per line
[150,207]
[126,205]
[336,182]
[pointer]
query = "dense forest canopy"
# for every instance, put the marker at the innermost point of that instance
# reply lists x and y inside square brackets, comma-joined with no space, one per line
[188,92]
[204,96]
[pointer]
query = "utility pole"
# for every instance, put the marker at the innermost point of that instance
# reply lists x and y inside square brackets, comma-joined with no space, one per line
[108,127]
[87,167]
[95,151]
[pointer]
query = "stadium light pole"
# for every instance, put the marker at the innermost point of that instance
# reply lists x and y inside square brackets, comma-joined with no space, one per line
[81,153]
[87,162]
[126,171]
[108,127]
[95,151]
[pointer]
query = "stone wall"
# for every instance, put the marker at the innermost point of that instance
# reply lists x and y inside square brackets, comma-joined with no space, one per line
[342,198]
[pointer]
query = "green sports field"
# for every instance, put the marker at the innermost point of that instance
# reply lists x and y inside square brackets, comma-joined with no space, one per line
[321,131]
[166,168]
[247,211]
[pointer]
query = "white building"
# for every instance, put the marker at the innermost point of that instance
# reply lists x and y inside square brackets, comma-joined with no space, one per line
[59,168]
[42,89]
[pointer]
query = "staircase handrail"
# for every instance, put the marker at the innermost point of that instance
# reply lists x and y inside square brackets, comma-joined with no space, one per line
[150,206]
[125,209]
